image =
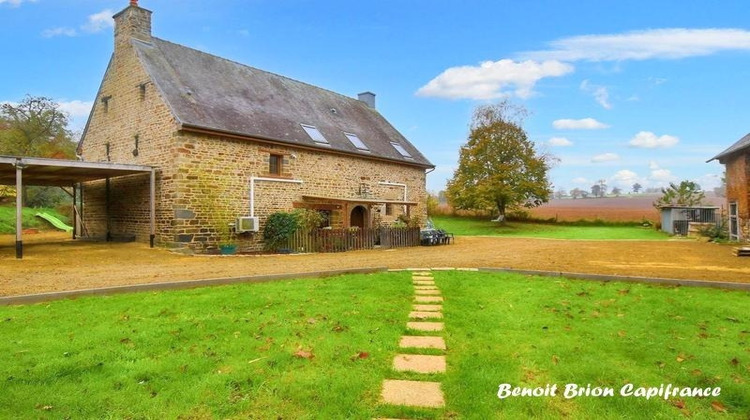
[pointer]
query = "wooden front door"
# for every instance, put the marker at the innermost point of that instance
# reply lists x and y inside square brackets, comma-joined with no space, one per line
[358,217]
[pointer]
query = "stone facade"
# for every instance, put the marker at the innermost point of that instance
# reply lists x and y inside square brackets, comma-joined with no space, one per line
[203,179]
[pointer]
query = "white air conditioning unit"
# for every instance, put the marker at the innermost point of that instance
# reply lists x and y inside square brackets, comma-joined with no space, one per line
[247,224]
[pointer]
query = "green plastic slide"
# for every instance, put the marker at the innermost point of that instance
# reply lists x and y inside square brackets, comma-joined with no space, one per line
[55,221]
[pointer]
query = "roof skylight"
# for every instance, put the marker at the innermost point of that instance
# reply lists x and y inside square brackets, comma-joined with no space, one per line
[314,133]
[357,142]
[401,150]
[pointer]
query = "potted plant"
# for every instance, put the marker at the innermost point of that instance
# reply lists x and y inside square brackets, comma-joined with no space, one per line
[227,243]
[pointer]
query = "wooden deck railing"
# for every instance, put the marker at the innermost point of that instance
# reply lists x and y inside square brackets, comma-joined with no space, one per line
[340,240]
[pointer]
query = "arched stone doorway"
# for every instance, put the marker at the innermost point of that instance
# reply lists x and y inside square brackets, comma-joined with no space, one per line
[358,217]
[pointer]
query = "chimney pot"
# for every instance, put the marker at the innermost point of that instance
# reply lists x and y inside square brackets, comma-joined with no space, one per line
[134,3]
[368,98]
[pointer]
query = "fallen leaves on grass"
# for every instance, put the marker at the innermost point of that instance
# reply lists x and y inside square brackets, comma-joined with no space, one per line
[718,406]
[304,354]
[360,355]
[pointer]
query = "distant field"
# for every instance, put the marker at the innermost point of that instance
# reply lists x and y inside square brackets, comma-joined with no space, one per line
[621,209]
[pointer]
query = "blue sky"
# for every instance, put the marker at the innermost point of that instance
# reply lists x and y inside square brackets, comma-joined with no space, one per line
[636,91]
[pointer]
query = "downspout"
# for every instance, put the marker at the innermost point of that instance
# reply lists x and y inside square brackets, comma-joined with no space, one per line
[253,179]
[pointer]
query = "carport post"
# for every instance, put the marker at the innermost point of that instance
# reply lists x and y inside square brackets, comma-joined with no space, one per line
[152,205]
[19,209]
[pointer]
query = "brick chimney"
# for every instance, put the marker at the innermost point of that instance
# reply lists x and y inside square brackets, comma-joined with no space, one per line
[368,98]
[132,22]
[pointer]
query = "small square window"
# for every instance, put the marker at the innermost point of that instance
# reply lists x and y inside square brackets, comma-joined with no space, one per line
[314,133]
[401,150]
[275,163]
[357,142]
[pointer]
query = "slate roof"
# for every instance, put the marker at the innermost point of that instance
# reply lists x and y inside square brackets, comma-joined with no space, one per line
[212,93]
[741,145]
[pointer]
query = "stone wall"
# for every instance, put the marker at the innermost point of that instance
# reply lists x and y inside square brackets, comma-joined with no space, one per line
[738,189]
[213,186]
[130,123]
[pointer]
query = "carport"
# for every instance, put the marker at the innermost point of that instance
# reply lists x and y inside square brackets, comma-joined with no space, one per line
[21,171]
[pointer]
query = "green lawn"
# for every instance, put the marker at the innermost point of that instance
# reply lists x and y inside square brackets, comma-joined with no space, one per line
[8,218]
[473,226]
[320,348]
[503,328]
[213,352]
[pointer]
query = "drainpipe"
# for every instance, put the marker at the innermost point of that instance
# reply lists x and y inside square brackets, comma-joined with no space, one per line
[254,179]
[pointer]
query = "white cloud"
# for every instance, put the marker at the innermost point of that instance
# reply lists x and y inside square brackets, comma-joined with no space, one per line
[16,3]
[669,43]
[649,140]
[582,124]
[559,142]
[493,79]
[99,21]
[49,33]
[76,108]
[625,178]
[95,23]
[605,157]
[581,181]
[600,93]
[662,175]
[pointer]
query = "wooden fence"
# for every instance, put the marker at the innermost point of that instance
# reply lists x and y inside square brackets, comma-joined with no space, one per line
[340,240]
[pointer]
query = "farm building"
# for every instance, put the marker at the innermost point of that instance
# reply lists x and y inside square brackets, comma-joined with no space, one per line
[736,159]
[230,142]
[682,220]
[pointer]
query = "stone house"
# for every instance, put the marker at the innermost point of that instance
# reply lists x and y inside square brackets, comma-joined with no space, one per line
[736,159]
[230,141]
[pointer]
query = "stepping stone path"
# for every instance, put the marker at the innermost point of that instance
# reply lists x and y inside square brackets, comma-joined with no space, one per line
[420,393]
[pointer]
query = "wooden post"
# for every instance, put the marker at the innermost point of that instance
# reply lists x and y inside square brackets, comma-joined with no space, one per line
[19,209]
[152,208]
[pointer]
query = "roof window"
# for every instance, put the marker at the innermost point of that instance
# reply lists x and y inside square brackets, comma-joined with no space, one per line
[401,150]
[314,134]
[357,142]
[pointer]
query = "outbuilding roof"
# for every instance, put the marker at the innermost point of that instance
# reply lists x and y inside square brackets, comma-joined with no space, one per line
[741,145]
[209,93]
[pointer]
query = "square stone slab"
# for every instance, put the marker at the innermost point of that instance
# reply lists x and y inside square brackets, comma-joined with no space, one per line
[425,315]
[428,308]
[427,292]
[422,278]
[424,283]
[421,287]
[421,342]
[421,273]
[427,299]
[419,363]
[425,326]
[412,393]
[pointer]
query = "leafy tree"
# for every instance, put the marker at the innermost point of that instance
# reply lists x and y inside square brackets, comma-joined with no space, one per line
[576,193]
[499,168]
[687,193]
[616,191]
[35,127]
[637,187]
[596,190]
[560,194]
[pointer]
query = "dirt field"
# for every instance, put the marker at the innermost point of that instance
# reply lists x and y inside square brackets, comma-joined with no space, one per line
[54,263]
[623,209]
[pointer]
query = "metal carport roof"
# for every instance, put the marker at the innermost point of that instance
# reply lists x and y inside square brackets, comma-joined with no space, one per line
[20,171]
